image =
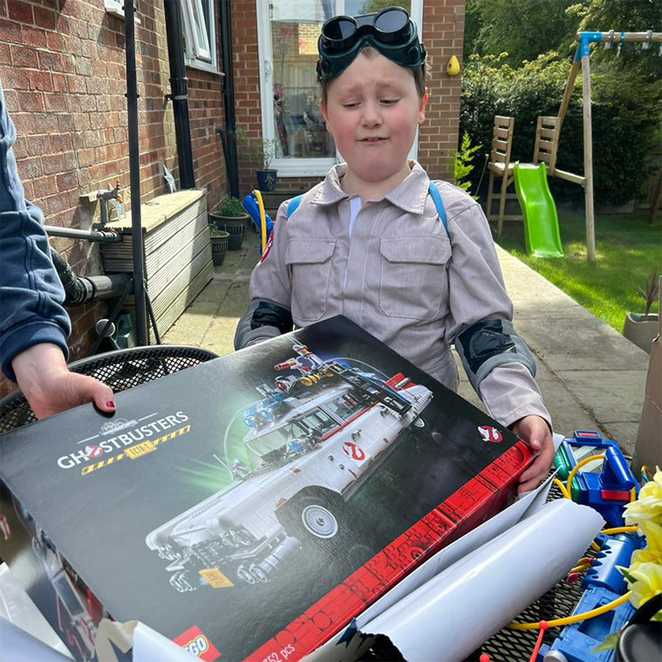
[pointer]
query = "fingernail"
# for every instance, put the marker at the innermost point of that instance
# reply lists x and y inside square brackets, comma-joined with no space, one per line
[110,404]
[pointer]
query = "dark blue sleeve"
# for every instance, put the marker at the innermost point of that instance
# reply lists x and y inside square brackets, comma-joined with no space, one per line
[31,294]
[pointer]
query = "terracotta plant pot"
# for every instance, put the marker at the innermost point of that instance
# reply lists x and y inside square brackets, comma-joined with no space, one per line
[641,329]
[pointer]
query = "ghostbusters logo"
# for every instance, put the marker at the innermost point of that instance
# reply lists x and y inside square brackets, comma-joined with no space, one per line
[490,434]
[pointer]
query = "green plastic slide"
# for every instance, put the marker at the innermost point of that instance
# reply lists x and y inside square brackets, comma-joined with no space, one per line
[541,222]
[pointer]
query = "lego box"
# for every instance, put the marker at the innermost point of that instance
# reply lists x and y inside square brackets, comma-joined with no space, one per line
[252,506]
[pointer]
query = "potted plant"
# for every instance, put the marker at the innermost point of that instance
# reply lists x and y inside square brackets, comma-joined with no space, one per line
[219,245]
[641,328]
[260,152]
[267,177]
[230,216]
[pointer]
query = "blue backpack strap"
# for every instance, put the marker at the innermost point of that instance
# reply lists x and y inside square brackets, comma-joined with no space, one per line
[293,205]
[439,204]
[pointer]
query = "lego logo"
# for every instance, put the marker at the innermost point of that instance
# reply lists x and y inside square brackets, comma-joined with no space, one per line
[195,641]
[198,646]
[490,434]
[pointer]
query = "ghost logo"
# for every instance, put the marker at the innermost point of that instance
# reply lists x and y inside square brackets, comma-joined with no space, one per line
[93,451]
[354,451]
[490,434]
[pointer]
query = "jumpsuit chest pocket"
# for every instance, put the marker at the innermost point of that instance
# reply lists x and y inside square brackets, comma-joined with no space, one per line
[413,281]
[309,263]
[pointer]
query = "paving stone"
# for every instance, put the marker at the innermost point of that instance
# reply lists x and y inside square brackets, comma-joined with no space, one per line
[612,395]
[219,337]
[214,292]
[624,433]
[566,411]
[588,344]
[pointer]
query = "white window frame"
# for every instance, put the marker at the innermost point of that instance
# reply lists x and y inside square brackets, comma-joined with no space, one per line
[200,46]
[300,167]
[116,8]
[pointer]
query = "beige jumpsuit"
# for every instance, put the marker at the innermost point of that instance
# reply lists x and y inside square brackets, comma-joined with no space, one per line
[400,277]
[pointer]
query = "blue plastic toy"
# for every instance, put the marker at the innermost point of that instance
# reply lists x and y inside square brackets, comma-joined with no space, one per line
[577,642]
[252,209]
[615,551]
[610,490]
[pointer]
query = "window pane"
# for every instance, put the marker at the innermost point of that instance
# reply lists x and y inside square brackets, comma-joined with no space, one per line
[200,34]
[299,127]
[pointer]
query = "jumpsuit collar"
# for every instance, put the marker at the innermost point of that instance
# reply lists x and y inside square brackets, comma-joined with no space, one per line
[409,195]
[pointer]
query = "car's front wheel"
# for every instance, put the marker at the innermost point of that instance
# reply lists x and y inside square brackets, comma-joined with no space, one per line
[319,521]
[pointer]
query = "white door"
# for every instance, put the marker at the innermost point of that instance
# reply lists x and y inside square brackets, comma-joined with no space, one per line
[287,50]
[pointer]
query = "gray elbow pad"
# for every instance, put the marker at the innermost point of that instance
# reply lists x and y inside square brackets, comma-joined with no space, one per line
[263,320]
[490,343]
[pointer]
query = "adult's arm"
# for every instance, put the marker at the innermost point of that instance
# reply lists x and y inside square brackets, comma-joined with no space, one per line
[34,325]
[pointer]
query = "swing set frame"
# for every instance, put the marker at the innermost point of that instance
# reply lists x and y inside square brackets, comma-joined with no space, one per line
[548,130]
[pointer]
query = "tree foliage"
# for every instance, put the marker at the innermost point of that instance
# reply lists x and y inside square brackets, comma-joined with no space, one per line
[523,29]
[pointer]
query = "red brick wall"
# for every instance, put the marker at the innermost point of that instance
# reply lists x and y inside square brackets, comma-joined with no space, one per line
[62,66]
[443,30]
[443,36]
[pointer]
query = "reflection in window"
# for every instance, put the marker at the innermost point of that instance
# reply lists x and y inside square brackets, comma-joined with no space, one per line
[344,407]
[319,422]
[299,128]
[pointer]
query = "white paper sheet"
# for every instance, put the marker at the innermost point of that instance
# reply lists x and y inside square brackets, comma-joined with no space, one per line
[451,615]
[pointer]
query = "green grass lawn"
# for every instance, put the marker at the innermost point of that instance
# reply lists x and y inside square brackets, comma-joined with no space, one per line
[628,249]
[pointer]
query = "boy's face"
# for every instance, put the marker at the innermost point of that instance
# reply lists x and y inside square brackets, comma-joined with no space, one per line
[372,111]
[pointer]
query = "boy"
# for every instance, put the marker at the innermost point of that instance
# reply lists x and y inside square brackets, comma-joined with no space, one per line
[371,243]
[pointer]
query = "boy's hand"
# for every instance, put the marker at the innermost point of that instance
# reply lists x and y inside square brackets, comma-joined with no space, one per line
[535,431]
[49,386]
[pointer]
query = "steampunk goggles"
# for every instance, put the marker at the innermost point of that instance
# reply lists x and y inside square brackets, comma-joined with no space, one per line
[390,31]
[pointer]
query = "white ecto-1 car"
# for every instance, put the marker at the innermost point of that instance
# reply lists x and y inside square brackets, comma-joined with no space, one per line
[313,439]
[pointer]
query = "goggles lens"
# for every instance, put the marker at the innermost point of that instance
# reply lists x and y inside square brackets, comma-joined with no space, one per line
[339,28]
[391,20]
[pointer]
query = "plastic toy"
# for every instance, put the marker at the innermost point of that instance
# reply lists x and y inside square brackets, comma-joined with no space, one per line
[577,642]
[254,207]
[615,551]
[541,222]
[607,491]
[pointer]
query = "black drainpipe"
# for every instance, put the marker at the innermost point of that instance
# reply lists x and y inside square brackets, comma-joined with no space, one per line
[81,289]
[179,92]
[138,251]
[229,135]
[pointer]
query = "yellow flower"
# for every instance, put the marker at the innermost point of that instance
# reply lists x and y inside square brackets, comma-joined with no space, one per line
[648,506]
[645,555]
[653,533]
[648,583]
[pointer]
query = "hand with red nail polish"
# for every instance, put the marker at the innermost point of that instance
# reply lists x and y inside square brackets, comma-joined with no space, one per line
[49,386]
